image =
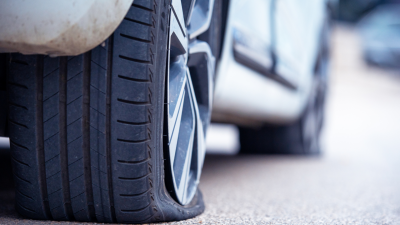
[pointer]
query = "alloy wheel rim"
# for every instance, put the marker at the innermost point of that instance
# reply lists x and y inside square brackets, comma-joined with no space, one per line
[189,96]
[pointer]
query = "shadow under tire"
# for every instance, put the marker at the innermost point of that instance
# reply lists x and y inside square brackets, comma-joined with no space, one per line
[86,132]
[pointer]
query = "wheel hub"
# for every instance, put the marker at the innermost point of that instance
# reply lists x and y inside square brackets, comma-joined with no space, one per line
[189,86]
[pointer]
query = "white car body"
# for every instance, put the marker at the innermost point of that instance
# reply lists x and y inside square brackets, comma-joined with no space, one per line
[245,96]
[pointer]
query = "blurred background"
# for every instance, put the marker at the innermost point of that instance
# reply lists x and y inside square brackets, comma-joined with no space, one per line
[365,42]
[354,181]
[356,178]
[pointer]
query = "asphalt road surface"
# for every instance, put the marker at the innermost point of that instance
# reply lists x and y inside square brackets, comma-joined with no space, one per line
[355,181]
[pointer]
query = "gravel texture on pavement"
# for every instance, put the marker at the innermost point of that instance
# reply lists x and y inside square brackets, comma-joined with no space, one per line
[355,181]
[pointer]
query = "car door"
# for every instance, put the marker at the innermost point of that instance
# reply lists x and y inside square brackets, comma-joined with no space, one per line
[267,62]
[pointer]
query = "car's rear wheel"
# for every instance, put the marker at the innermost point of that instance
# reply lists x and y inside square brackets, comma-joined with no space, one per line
[116,134]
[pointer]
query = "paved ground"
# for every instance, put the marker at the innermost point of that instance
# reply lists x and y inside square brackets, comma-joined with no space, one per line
[356,180]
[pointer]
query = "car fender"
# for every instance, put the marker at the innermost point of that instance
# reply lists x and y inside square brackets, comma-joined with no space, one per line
[57,28]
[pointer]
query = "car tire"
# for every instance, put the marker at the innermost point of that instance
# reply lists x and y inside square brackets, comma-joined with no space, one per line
[87,132]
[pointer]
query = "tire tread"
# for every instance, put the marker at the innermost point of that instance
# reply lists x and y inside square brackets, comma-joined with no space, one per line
[81,126]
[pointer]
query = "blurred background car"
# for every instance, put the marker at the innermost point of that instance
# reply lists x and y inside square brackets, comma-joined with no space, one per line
[272,76]
[377,22]
[351,11]
[380,32]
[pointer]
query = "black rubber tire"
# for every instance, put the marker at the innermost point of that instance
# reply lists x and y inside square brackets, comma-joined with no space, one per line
[86,132]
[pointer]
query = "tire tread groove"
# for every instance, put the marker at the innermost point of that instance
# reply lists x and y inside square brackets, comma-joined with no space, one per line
[63,132]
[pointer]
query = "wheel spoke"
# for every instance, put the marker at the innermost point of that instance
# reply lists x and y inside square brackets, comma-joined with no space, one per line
[187,6]
[176,74]
[199,148]
[184,147]
[200,17]
[192,167]
[177,32]
[176,86]
[202,64]
[174,133]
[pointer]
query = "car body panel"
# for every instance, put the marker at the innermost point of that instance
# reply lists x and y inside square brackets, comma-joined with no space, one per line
[243,95]
[62,27]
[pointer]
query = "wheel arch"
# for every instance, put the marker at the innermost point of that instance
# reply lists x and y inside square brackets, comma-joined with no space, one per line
[58,28]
